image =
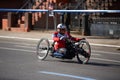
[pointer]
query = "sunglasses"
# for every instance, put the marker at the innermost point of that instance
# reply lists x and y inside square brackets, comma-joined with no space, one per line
[62,29]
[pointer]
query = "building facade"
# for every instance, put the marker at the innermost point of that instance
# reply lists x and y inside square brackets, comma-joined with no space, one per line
[26,21]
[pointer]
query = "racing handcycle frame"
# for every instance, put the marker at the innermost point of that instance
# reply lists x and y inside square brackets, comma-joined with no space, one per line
[80,49]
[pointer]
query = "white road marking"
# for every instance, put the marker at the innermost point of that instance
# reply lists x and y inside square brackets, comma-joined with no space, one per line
[26,44]
[108,60]
[105,45]
[34,46]
[94,54]
[94,44]
[52,40]
[66,75]
[19,38]
[114,53]
[5,48]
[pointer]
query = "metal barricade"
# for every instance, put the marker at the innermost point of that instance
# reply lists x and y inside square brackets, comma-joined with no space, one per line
[106,27]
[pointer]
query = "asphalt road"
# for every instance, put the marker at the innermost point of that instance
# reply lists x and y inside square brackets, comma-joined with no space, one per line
[18,62]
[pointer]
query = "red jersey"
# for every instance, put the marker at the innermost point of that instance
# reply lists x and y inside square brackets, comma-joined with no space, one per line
[61,43]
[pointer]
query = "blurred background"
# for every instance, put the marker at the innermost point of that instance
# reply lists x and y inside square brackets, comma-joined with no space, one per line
[89,24]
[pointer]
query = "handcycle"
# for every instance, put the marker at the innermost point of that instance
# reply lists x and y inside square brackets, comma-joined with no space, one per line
[80,49]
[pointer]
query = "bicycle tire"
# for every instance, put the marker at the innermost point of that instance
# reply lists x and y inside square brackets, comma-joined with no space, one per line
[82,59]
[42,48]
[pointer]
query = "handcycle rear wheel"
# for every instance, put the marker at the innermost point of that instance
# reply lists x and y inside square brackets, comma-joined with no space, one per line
[84,57]
[42,48]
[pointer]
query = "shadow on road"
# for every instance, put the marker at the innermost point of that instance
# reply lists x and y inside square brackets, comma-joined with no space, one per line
[103,64]
[89,63]
[69,61]
[94,63]
[60,60]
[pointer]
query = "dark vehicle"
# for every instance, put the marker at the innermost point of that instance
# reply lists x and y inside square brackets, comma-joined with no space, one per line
[81,50]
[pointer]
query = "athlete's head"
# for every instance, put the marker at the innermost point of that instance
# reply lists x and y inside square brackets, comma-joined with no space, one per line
[61,28]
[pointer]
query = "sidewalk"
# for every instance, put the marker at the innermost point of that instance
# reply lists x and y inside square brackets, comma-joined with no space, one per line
[36,35]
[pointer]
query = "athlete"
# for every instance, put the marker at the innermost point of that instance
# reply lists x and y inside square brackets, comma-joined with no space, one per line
[59,38]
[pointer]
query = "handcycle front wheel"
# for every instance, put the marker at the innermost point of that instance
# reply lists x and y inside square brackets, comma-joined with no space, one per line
[84,55]
[42,48]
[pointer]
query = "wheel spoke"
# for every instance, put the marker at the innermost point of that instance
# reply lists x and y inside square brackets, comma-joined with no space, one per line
[85,52]
[42,48]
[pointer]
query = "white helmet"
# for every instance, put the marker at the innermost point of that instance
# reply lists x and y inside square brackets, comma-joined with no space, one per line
[61,26]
